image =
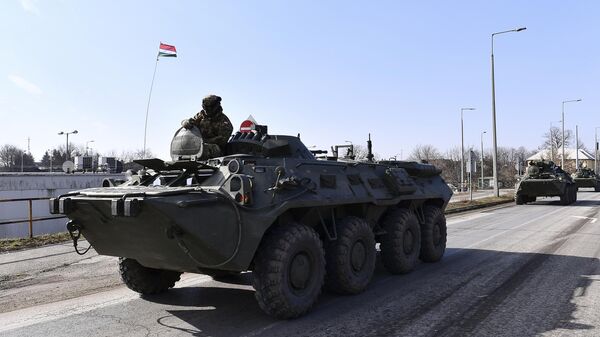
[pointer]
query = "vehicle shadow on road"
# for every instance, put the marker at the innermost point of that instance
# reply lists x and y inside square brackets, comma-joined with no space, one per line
[549,202]
[469,292]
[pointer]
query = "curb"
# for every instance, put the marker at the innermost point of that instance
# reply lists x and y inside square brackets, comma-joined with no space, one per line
[473,207]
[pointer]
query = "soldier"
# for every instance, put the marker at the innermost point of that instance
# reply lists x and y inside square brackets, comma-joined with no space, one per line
[214,126]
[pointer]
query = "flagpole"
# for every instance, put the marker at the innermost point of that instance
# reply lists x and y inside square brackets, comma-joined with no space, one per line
[148,107]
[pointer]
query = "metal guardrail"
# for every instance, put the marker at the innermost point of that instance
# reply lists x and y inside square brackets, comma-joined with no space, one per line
[30,219]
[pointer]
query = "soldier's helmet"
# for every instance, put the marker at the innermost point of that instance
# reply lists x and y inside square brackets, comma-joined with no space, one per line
[211,104]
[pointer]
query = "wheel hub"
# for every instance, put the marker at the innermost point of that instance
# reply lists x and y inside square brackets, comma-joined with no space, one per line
[300,271]
[358,256]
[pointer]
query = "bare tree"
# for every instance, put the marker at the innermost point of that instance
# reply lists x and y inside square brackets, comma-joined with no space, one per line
[131,155]
[553,138]
[361,152]
[425,152]
[13,159]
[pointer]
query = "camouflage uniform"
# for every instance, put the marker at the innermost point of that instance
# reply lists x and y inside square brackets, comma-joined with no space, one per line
[214,126]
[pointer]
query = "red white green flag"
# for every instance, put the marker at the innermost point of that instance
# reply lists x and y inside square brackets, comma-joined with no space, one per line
[167,50]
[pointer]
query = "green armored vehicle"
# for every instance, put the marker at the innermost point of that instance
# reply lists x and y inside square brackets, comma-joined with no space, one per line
[586,177]
[266,206]
[545,179]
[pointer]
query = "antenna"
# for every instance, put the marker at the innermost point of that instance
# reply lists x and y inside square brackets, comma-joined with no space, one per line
[369,149]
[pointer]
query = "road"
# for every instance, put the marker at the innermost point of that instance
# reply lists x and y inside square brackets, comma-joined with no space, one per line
[530,270]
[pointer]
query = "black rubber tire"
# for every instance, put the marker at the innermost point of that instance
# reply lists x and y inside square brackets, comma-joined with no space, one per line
[350,260]
[531,199]
[519,199]
[597,187]
[565,199]
[433,234]
[575,190]
[280,249]
[401,244]
[146,280]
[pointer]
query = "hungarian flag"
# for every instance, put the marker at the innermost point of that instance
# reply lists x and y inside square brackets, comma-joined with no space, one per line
[166,50]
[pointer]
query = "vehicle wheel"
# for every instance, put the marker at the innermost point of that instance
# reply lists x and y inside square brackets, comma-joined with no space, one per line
[289,270]
[401,244]
[597,187]
[433,234]
[350,258]
[575,189]
[565,199]
[146,280]
[519,199]
[531,199]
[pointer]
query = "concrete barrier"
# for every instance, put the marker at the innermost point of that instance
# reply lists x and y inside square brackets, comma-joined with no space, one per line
[36,185]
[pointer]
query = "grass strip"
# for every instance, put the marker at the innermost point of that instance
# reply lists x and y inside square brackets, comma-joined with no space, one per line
[7,245]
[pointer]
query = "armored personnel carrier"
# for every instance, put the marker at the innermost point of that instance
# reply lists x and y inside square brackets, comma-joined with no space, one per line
[586,177]
[545,179]
[266,206]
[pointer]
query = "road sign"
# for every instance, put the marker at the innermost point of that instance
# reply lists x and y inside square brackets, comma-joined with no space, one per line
[248,125]
[472,163]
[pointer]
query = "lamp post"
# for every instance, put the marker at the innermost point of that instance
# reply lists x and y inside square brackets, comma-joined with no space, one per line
[494,138]
[596,150]
[562,159]
[50,151]
[482,133]
[462,149]
[67,133]
[86,146]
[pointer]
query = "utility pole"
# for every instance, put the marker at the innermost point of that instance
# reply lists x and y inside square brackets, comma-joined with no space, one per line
[494,138]
[596,151]
[481,173]
[462,149]
[576,147]
[562,160]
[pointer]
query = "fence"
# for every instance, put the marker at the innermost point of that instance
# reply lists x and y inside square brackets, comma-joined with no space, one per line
[30,220]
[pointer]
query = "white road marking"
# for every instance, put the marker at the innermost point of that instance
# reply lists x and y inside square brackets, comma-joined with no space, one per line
[592,220]
[459,219]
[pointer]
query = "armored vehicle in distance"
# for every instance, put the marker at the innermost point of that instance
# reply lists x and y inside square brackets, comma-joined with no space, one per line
[545,179]
[267,206]
[586,177]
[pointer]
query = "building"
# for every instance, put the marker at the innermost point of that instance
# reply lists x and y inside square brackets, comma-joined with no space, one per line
[586,159]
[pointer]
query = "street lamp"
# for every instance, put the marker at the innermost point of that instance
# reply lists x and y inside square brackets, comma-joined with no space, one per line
[596,150]
[86,146]
[562,160]
[462,149]
[482,133]
[50,152]
[68,133]
[494,138]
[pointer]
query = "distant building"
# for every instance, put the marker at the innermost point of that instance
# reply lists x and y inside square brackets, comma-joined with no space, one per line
[586,159]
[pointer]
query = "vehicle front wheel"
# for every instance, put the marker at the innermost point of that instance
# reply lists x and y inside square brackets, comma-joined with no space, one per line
[289,271]
[146,280]
[433,234]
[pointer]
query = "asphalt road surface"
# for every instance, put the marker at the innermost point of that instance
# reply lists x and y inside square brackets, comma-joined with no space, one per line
[530,270]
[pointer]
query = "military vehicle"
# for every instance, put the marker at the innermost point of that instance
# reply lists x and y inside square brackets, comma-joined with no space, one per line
[545,179]
[586,177]
[266,206]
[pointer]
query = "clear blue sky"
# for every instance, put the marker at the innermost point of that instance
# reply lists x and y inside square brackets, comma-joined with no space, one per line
[332,71]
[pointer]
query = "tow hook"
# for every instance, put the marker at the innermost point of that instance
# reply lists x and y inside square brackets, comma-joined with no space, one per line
[75,233]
